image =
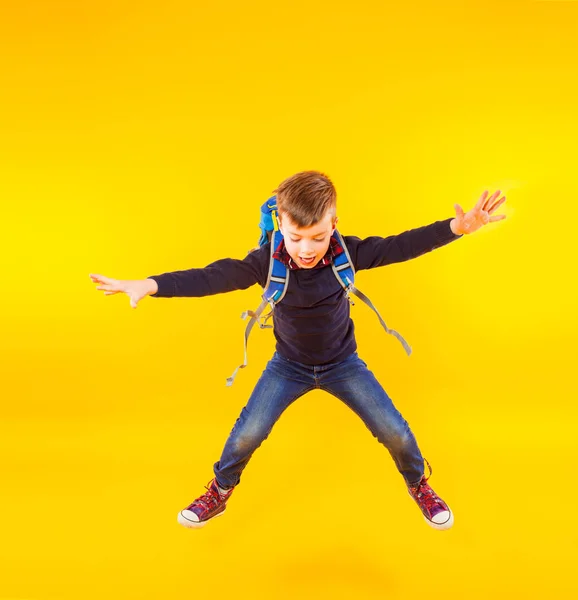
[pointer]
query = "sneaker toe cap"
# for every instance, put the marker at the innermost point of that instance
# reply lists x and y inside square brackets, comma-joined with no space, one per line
[189,515]
[441,517]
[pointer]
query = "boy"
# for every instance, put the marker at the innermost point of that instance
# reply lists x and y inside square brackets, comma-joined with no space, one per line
[315,342]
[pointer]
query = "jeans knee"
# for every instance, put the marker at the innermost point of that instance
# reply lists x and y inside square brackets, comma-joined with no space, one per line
[397,439]
[247,443]
[400,439]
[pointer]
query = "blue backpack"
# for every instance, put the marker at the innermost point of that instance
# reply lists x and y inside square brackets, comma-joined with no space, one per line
[278,278]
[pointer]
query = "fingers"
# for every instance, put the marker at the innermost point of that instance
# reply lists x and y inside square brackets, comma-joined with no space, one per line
[110,288]
[113,286]
[481,201]
[497,204]
[100,278]
[490,200]
[485,201]
[497,218]
[108,284]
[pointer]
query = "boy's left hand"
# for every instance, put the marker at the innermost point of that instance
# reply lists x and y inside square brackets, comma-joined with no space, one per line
[479,216]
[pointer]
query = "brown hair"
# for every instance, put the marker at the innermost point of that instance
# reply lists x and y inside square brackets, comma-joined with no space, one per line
[305,197]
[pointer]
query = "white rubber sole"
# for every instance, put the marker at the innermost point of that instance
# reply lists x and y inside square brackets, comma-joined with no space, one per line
[186,521]
[441,526]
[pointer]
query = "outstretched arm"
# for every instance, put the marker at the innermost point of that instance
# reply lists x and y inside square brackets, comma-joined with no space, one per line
[221,276]
[376,251]
[224,275]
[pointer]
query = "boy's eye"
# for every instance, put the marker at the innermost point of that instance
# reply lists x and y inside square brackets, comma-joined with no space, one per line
[313,240]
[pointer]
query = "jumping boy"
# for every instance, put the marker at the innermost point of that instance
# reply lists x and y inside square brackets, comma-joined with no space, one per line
[315,342]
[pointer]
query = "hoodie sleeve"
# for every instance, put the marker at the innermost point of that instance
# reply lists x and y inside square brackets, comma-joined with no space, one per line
[224,275]
[378,251]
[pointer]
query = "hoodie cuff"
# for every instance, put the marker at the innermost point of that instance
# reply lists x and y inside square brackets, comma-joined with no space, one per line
[444,233]
[165,284]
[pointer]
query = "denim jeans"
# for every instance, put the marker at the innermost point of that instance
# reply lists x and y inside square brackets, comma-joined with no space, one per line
[284,380]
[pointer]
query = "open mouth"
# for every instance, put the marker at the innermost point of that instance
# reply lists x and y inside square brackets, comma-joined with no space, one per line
[307,261]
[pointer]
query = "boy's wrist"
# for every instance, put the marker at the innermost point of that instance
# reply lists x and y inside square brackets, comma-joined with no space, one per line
[452,227]
[152,286]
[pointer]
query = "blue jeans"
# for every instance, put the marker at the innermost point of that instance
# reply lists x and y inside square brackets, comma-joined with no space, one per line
[284,380]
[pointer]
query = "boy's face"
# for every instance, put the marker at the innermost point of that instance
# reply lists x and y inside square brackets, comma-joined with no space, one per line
[309,242]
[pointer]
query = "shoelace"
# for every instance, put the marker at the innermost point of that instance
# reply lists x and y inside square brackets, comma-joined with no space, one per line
[209,499]
[423,483]
[424,490]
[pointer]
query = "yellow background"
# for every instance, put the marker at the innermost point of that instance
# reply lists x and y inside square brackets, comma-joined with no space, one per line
[141,137]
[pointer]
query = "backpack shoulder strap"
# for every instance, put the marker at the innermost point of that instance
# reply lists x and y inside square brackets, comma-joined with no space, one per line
[342,266]
[278,278]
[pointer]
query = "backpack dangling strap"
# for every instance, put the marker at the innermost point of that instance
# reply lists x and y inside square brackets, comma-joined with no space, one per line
[367,301]
[274,290]
[345,273]
[254,319]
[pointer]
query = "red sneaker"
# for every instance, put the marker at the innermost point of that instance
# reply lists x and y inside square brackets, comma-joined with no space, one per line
[211,504]
[436,512]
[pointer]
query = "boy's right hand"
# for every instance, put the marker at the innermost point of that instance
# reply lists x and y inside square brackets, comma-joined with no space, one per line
[136,289]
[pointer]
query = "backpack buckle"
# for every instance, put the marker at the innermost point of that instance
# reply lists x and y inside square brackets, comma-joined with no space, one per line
[347,294]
